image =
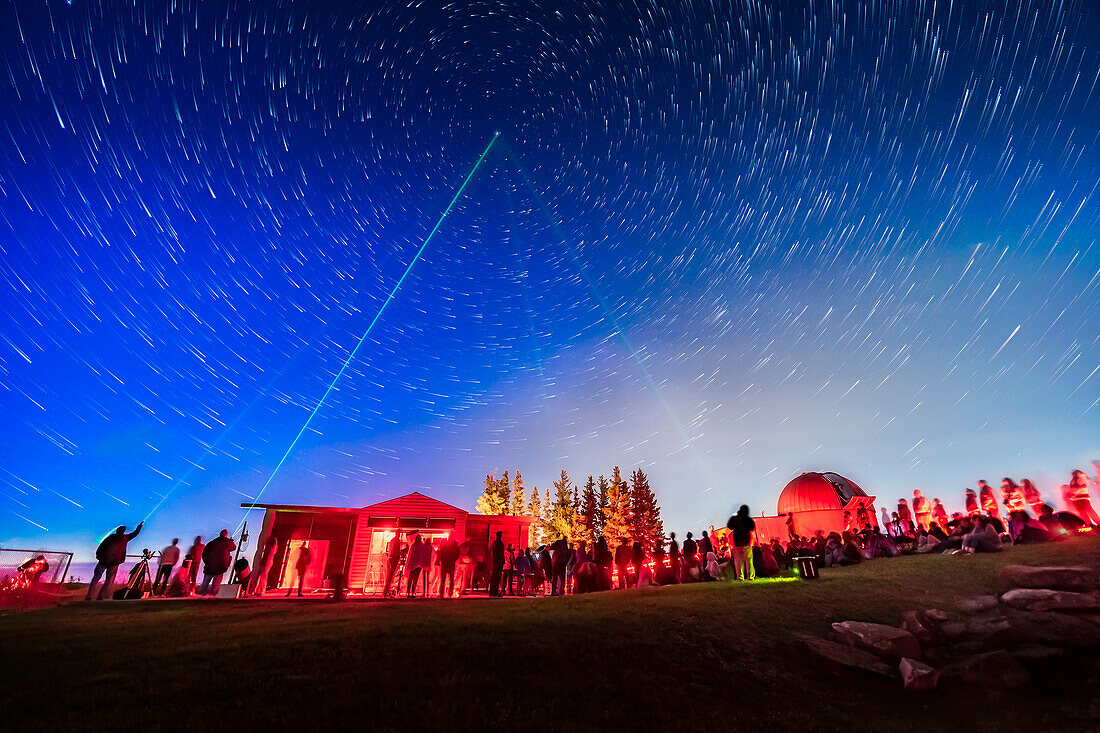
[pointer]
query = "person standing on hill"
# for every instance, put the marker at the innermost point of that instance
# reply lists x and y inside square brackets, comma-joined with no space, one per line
[448,556]
[259,579]
[690,549]
[109,555]
[922,509]
[971,503]
[301,567]
[939,514]
[905,518]
[989,501]
[217,556]
[412,565]
[393,559]
[192,561]
[742,526]
[674,557]
[169,556]
[1076,495]
[497,567]
[1032,497]
[622,562]
[426,565]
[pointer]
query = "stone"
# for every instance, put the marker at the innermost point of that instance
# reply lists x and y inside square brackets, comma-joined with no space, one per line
[839,658]
[886,641]
[978,604]
[914,623]
[1055,578]
[1051,628]
[991,631]
[1036,654]
[1043,599]
[916,675]
[997,669]
[937,616]
[953,629]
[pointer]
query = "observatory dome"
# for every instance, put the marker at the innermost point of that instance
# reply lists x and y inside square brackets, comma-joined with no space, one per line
[816,491]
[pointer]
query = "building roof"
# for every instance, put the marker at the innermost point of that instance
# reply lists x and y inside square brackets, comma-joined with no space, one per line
[414,504]
[816,491]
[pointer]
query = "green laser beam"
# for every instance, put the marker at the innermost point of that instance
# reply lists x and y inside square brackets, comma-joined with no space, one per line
[377,316]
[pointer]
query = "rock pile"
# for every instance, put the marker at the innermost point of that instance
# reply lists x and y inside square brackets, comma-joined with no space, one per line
[997,641]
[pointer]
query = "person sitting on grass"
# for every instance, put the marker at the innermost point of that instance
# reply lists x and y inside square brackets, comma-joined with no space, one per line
[1026,529]
[927,542]
[766,563]
[982,538]
[1059,524]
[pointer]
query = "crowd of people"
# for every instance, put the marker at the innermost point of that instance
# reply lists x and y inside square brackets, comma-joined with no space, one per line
[211,559]
[418,566]
[924,526]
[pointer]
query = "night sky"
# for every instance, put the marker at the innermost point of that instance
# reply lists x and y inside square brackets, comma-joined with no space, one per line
[724,242]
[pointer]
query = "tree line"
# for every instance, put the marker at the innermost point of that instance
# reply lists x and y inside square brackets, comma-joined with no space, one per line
[610,508]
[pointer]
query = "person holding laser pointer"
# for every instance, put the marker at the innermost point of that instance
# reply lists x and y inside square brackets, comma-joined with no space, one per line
[109,555]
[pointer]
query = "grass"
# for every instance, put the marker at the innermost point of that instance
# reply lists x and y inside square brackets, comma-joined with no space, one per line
[649,659]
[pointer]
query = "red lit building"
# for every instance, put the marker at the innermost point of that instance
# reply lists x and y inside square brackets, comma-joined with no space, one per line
[352,541]
[818,501]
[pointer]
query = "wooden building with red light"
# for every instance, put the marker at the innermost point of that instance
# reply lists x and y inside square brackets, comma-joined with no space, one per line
[818,501]
[352,541]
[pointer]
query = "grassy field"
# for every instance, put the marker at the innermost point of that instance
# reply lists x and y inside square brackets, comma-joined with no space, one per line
[650,659]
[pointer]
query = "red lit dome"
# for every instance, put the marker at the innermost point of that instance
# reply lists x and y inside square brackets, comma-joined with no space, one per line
[815,491]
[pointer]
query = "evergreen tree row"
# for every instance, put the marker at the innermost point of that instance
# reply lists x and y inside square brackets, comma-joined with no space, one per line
[613,508]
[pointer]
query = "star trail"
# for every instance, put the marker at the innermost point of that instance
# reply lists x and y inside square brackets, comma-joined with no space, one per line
[723,241]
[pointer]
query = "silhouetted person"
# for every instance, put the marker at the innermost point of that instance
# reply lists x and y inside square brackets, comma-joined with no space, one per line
[301,567]
[790,524]
[425,565]
[393,559]
[412,564]
[192,562]
[622,562]
[742,526]
[674,557]
[498,565]
[690,549]
[259,578]
[169,556]
[109,555]
[217,556]
[637,558]
[705,545]
[448,556]
[561,552]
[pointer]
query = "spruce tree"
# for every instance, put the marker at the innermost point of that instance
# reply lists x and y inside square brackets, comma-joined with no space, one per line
[602,500]
[534,509]
[617,520]
[504,490]
[562,520]
[489,502]
[519,500]
[589,504]
[544,518]
[645,514]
